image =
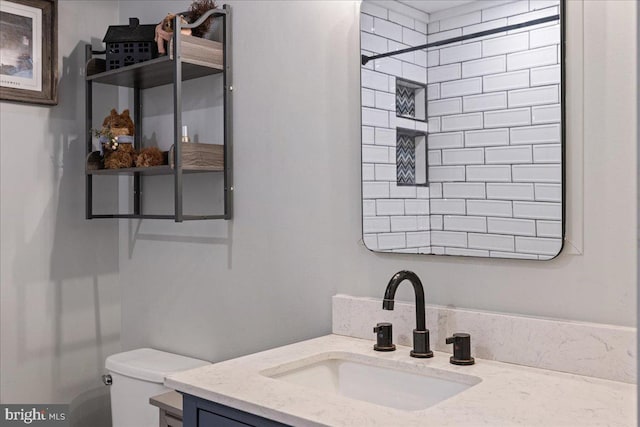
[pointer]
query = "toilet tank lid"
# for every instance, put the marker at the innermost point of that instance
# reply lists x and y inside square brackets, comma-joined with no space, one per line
[149,364]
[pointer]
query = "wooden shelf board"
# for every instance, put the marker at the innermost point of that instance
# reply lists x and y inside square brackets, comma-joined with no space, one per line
[151,170]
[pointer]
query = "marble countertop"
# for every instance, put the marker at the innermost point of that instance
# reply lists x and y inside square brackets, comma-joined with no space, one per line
[508,395]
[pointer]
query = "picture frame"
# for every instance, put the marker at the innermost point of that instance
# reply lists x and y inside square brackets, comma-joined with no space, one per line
[29,51]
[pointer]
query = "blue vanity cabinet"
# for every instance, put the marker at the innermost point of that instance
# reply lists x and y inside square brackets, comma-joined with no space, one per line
[197,412]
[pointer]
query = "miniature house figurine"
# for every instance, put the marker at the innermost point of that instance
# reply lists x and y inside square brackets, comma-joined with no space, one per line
[130,44]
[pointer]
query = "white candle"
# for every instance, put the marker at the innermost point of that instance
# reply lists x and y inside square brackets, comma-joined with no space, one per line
[185,132]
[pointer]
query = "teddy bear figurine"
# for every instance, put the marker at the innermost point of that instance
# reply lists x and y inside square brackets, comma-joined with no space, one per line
[164,31]
[117,153]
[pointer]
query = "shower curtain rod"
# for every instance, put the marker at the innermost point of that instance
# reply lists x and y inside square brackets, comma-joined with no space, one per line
[366,58]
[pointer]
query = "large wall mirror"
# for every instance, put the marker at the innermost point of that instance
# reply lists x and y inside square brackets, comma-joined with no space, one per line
[462,127]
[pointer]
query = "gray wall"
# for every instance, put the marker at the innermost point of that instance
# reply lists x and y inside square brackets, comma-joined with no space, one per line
[59,289]
[221,289]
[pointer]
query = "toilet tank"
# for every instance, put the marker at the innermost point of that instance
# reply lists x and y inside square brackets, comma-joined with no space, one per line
[138,375]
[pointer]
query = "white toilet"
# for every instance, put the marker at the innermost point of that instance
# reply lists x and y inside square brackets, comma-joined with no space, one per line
[137,375]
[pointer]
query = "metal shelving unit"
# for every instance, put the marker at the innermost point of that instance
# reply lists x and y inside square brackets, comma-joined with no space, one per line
[167,70]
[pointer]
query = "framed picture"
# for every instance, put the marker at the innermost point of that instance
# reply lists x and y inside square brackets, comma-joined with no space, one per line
[29,51]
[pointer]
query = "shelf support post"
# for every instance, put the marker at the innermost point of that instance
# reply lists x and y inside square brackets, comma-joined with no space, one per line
[137,179]
[88,97]
[177,119]
[228,116]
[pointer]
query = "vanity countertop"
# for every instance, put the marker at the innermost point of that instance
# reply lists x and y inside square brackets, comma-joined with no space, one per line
[508,394]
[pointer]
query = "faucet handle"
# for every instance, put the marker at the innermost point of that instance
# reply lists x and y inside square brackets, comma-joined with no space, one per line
[461,349]
[384,337]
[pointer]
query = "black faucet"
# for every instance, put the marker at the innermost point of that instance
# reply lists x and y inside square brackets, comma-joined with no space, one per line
[420,333]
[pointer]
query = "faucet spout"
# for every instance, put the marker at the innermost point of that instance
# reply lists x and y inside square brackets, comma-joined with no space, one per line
[420,333]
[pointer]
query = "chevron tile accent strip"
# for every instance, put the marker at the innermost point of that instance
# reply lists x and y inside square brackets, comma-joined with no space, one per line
[405,159]
[405,101]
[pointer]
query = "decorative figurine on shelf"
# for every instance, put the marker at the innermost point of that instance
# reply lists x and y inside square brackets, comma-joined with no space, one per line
[149,156]
[164,31]
[116,138]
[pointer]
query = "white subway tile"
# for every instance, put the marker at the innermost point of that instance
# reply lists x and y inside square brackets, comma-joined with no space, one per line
[375,224]
[534,96]
[485,138]
[413,38]
[392,84]
[401,19]
[481,67]
[537,210]
[433,58]
[541,4]
[549,192]
[476,224]
[389,207]
[370,241]
[443,73]
[421,238]
[368,98]
[385,172]
[507,118]
[421,58]
[374,154]
[448,238]
[506,81]
[404,223]
[464,156]
[400,122]
[435,190]
[433,91]
[401,192]
[461,87]
[374,10]
[373,190]
[416,207]
[489,25]
[485,102]
[422,126]
[421,27]
[519,227]
[492,242]
[437,222]
[414,72]
[407,56]
[536,245]
[525,17]
[385,136]
[385,101]
[537,173]
[547,153]
[462,122]
[466,252]
[447,206]
[508,9]
[434,125]
[511,255]
[546,114]
[366,23]
[545,36]
[547,134]
[549,229]
[532,58]
[460,53]
[368,172]
[508,155]
[423,223]
[373,80]
[388,66]
[433,27]
[506,44]
[445,106]
[544,75]
[435,158]
[463,190]
[445,140]
[436,250]
[488,173]
[367,135]
[446,173]
[489,208]
[444,35]
[368,208]
[422,192]
[460,21]
[391,241]
[510,191]
[388,30]
[373,43]
[405,251]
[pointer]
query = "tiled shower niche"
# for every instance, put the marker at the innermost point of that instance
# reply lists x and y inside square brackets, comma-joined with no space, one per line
[492,121]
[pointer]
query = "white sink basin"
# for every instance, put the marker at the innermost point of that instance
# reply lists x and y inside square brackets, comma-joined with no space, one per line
[389,383]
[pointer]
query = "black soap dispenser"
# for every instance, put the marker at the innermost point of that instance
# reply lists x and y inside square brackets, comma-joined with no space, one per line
[461,349]
[384,337]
